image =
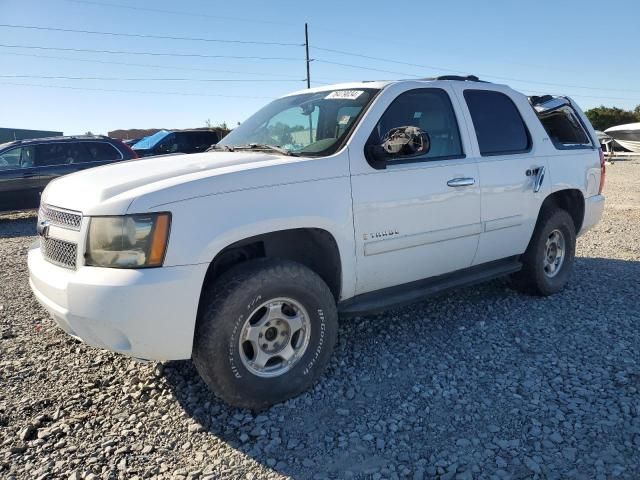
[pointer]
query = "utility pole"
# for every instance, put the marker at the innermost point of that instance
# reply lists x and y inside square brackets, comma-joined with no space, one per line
[306,47]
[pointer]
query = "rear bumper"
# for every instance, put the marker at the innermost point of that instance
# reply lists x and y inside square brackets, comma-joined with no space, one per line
[593,208]
[147,313]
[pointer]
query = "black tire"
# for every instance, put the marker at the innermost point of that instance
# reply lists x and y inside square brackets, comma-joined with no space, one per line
[223,312]
[532,278]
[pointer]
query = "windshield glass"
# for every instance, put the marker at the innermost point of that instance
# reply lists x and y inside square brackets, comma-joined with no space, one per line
[313,124]
[150,141]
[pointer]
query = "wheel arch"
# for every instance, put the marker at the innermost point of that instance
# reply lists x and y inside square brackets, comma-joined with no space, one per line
[315,248]
[571,200]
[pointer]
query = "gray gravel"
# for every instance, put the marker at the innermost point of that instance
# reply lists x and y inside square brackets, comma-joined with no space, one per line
[480,383]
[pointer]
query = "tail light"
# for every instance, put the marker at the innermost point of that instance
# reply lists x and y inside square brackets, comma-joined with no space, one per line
[603,171]
[130,150]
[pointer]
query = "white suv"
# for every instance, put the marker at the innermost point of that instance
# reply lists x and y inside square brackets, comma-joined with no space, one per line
[341,199]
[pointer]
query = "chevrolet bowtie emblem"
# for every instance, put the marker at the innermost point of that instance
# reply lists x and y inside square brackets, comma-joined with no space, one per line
[43,229]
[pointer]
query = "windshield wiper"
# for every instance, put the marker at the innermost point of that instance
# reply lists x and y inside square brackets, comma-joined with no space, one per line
[263,146]
[252,146]
[226,148]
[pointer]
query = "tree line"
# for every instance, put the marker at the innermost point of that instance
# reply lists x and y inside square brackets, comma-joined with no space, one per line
[604,117]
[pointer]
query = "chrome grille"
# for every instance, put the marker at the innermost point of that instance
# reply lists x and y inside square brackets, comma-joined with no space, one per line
[59,252]
[60,217]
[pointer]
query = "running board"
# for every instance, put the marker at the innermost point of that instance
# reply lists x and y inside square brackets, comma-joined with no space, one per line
[408,293]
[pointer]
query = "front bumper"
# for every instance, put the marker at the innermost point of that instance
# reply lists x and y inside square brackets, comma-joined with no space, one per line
[593,208]
[145,313]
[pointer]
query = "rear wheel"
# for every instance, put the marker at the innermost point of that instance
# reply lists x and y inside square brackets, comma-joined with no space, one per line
[548,261]
[265,332]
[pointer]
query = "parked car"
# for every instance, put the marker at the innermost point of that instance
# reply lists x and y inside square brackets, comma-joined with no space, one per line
[27,166]
[132,141]
[341,199]
[182,141]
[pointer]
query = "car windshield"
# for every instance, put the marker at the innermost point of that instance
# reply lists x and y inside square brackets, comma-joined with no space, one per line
[150,141]
[311,124]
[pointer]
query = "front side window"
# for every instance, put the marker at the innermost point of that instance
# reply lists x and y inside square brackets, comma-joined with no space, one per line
[500,129]
[310,124]
[430,110]
[10,159]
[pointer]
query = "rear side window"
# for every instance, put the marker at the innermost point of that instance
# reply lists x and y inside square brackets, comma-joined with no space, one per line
[51,154]
[499,127]
[564,129]
[99,152]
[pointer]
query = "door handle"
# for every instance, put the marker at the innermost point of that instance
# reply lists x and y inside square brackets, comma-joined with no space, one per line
[461,182]
[539,179]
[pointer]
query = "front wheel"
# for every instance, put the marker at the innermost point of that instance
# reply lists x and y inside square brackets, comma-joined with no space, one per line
[548,260]
[265,332]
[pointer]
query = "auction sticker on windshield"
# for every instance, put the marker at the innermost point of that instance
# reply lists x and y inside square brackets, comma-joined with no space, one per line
[344,94]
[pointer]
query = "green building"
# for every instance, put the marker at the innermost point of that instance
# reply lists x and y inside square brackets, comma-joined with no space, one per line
[11,134]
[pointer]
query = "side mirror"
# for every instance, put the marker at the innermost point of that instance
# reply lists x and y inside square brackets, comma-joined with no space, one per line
[398,142]
[406,141]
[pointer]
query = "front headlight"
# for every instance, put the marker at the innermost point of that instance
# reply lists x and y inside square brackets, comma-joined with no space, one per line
[129,241]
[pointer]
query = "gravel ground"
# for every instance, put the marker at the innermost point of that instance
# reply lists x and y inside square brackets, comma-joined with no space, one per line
[480,383]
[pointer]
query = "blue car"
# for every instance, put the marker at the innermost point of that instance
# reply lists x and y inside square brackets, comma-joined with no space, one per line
[183,141]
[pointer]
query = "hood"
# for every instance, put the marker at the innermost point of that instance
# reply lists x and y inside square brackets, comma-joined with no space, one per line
[111,189]
[623,128]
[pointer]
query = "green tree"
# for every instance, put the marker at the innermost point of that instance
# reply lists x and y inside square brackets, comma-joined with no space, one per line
[604,117]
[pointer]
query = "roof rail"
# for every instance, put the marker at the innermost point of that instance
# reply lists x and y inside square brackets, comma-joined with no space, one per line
[459,78]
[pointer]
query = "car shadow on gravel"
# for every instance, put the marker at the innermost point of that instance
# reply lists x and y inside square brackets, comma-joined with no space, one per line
[18,225]
[427,381]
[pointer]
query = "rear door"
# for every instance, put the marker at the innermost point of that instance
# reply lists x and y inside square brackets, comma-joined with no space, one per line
[63,158]
[514,173]
[55,159]
[19,181]
[96,153]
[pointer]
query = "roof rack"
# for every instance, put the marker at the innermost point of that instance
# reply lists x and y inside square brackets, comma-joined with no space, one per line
[459,78]
[59,138]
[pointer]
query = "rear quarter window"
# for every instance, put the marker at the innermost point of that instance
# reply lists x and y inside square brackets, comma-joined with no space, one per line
[499,127]
[565,129]
[100,152]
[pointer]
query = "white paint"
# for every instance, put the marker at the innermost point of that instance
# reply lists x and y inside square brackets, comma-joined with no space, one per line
[218,198]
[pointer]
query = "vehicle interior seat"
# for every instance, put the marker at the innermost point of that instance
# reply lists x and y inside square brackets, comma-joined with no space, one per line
[435,124]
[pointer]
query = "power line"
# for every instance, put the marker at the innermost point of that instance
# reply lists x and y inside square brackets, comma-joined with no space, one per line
[398,62]
[141,35]
[146,79]
[160,54]
[180,12]
[367,68]
[445,69]
[146,92]
[145,65]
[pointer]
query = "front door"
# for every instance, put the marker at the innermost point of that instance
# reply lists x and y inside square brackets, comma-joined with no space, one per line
[19,180]
[420,216]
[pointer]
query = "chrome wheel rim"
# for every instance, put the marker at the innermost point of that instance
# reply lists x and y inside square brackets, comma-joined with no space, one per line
[274,337]
[554,253]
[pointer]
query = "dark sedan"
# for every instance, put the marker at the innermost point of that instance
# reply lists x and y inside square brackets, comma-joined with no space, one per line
[26,166]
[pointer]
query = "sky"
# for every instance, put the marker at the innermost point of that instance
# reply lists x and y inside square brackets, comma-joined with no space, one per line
[582,48]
